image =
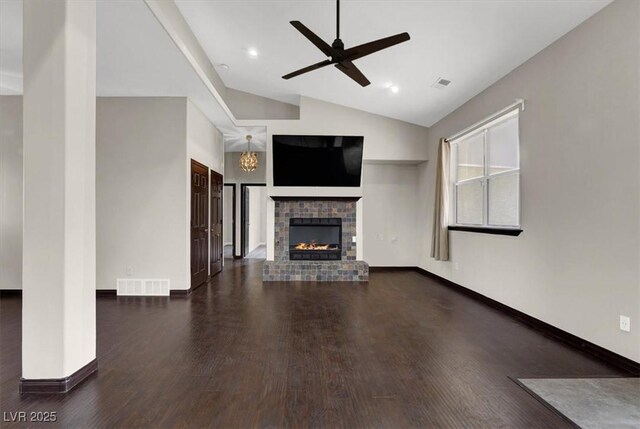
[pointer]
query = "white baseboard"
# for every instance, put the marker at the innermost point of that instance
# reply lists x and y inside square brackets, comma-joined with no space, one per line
[256,246]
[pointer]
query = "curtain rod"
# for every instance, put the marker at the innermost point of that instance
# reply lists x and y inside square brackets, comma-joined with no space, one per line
[518,102]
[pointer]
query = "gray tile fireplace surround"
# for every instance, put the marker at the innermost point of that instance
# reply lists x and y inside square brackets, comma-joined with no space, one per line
[282,269]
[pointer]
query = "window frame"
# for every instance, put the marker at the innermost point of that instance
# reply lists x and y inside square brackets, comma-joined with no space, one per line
[484,180]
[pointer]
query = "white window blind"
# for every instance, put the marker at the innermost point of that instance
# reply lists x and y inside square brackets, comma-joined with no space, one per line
[486,173]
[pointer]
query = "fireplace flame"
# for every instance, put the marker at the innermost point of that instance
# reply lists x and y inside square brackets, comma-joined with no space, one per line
[314,246]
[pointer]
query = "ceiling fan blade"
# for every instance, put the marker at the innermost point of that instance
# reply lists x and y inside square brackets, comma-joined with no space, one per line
[375,46]
[308,69]
[350,69]
[313,38]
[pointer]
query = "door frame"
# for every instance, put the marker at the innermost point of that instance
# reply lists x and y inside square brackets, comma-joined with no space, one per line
[243,214]
[233,219]
[203,168]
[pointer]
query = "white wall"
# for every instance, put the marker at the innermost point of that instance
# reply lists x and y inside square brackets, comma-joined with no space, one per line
[10,192]
[257,216]
[227,216]
[263,215]
[204,141]
[250,106]
[138,144]
[141,198]
[205,144]
[576,265]
[385,140]
[390,215]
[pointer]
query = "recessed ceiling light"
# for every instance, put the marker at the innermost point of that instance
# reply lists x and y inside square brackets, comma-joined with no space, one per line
[252,52]
[391,87]
[224,66]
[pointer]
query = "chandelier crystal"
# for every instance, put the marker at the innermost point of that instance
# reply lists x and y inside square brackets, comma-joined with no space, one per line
[249,159]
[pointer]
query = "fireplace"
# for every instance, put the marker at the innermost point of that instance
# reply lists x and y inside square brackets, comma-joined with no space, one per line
[295,219]
[315,239]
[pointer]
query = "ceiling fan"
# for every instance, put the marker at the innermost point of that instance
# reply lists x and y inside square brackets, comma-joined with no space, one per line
[343,58]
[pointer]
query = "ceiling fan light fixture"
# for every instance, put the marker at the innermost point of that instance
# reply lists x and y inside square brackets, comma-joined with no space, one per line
[249,159]
[340,57]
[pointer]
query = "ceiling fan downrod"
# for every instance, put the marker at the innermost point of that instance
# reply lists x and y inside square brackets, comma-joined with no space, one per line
[337,44]
[337,19]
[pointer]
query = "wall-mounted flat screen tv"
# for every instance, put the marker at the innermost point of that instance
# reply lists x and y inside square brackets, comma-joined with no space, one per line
[317,160]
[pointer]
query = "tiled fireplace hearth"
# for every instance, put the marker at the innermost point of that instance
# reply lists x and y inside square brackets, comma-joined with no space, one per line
[318,263]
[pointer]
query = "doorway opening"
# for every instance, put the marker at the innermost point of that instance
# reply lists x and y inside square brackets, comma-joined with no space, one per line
[253,218]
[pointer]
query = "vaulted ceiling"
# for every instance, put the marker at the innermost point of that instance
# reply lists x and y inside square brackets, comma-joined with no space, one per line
[135,57]
[471,43]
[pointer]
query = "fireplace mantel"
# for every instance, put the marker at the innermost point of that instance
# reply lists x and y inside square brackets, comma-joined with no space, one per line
[284,198]
[301,192]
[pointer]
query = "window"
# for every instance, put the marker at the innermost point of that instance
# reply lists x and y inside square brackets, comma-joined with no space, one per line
[486,175]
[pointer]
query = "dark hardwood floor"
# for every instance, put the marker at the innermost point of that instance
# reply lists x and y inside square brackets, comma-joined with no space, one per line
[401,351]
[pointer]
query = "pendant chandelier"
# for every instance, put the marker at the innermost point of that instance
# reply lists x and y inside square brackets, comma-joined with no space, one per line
[248,159]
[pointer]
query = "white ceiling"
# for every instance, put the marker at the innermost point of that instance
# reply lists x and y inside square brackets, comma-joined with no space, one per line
[235,138]
[135,57]
[472,43]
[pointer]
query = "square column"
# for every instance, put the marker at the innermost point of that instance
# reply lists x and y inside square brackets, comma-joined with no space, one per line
[59,257]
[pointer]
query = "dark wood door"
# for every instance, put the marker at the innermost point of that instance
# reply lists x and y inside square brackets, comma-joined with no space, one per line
[217,208]
[199,223]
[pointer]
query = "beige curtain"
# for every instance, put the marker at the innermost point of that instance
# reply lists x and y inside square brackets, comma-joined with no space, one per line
[440,236]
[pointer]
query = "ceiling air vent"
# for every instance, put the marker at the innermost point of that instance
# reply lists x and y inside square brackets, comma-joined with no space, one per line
[441,83]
